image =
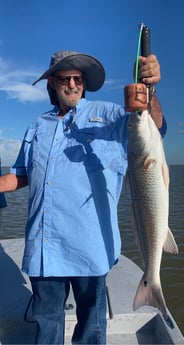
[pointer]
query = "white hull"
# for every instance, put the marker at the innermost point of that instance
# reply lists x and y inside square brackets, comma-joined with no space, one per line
[145,326]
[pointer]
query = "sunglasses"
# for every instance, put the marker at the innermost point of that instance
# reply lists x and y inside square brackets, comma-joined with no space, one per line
[66,80]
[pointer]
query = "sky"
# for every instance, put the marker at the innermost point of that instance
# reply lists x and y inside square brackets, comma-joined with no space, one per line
[30,31]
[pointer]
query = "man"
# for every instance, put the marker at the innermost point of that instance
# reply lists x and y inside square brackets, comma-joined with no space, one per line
[74,159]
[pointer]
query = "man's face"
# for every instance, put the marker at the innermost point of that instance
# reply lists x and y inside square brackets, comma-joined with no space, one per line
[69,86]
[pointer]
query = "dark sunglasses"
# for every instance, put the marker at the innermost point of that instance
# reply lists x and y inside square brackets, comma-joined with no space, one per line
[66,80]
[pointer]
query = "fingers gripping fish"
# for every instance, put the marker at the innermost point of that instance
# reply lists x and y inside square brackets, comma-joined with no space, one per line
[149,183]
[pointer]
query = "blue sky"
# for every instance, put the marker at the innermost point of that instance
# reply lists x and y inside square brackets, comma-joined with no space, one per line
[30,31]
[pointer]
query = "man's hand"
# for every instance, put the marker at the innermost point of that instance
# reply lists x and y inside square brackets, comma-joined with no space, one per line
[149,70]
[11,182]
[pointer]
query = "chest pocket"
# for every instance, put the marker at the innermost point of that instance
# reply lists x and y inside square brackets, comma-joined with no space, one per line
[36,144]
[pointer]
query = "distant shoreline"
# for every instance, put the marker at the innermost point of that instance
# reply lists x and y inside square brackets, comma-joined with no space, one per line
[179,164]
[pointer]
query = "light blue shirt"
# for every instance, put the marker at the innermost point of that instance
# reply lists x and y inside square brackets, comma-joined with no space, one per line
[75,167]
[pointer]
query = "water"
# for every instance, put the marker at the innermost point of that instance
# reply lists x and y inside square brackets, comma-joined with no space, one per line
[172,269]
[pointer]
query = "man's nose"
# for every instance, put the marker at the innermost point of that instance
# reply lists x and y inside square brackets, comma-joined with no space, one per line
[72,83]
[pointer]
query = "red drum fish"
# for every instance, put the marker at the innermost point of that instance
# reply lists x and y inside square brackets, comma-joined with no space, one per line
[149,184]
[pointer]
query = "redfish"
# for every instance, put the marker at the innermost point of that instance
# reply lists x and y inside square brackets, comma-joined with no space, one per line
[149,184]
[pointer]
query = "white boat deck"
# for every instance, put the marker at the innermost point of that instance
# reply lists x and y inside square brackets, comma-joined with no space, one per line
[124,326]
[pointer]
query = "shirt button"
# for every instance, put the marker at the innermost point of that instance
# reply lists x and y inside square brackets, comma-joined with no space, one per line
[48,182]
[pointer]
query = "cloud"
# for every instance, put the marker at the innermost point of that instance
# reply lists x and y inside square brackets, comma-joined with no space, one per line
[114,84]
[24,92]
[181,130]
[17,84]
[9,149]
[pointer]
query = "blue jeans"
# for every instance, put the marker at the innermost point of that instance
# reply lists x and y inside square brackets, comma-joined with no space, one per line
[49,298]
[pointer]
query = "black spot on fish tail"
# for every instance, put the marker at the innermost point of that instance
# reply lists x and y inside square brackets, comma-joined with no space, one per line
[169,322]
[145,283]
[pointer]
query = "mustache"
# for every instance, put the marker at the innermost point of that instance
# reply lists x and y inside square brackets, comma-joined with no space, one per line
[71,91]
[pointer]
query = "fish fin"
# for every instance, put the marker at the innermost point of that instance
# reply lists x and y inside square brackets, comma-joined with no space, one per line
[126,183]
[165,174]
[149,162]
[148,294]
[170,245]
[137,238]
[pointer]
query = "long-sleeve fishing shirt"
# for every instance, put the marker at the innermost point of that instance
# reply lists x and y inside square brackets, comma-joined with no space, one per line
[75,167]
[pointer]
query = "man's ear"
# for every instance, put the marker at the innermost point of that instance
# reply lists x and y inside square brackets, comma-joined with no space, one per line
[51,82]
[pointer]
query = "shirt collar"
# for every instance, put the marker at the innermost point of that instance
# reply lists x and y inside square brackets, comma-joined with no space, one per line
[55,111]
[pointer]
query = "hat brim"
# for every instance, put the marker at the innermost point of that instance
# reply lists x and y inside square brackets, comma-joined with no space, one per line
[93,70]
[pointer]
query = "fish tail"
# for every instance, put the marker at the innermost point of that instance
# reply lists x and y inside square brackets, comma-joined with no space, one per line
[152,295]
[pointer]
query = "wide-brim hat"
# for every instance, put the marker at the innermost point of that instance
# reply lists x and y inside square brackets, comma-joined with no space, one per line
[92,69]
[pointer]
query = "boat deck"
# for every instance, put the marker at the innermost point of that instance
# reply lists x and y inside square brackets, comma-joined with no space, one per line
[145,326]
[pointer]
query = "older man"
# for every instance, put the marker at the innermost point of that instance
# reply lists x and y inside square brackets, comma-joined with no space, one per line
[74,159]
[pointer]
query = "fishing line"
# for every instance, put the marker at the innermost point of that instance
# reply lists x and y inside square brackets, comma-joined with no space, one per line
[138,53]
[136,95]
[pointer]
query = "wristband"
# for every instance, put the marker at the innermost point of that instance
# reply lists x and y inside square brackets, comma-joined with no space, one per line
[152,91]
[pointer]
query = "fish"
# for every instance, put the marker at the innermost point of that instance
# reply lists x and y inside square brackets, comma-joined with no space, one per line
[148,176]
